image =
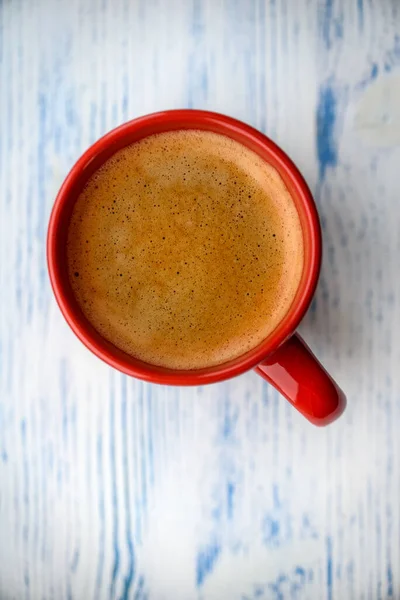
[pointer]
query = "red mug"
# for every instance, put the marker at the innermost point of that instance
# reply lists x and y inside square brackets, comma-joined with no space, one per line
[282,358]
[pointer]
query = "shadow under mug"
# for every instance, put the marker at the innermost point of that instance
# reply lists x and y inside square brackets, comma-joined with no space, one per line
[282,358]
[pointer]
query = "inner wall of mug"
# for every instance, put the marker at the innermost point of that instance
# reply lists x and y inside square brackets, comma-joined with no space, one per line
[127,134]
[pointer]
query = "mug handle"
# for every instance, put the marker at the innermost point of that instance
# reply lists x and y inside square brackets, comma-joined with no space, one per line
[298,375]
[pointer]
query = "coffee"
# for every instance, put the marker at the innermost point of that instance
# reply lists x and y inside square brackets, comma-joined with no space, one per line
[185,249]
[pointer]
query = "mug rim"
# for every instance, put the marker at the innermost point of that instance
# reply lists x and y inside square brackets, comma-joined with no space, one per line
[170,120]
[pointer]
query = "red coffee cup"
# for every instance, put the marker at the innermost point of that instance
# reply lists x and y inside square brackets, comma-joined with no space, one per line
[282,358]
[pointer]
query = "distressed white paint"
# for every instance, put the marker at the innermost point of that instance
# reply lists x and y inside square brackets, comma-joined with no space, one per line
[377,118]
[110,488]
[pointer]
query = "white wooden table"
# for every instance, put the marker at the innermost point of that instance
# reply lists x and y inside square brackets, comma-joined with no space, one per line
[112,488]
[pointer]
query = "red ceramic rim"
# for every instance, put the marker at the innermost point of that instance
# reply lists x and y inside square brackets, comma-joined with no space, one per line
[127,134]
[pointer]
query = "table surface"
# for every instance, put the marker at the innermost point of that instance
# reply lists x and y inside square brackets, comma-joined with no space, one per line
[113,488]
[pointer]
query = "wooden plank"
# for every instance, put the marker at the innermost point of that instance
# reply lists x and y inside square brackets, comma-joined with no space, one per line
[112,488]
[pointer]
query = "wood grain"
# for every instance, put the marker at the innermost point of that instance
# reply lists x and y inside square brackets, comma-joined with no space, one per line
[112,488]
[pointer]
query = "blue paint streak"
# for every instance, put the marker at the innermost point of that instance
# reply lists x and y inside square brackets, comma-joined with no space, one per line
[150,451]
[42,106]
[378,547]
[275,496]
[243,26]
[103,104]
[2,45]
[197,67]
[307,529]
[114,489]
[216,514]
[140,593]
[229,419]
[393,56]
[19,284]
[339,29]
[92,120]
[44,452]
[100,564]
[262,117]
[206,561]
[143,464]
[389,575]
[329,567]
[10,113]
[197,23]
[25,470]
[41,224]
[230,494]
[299,581]
[372,75]
[271,531]
[25,529]
[30,202]
[258,592]
[129,577]
[273,46]
[138,507]
[63,382]
[266,394]
[326,121]
[75,561]
[276,587]
[325,22]
[125,97]
[360,8]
